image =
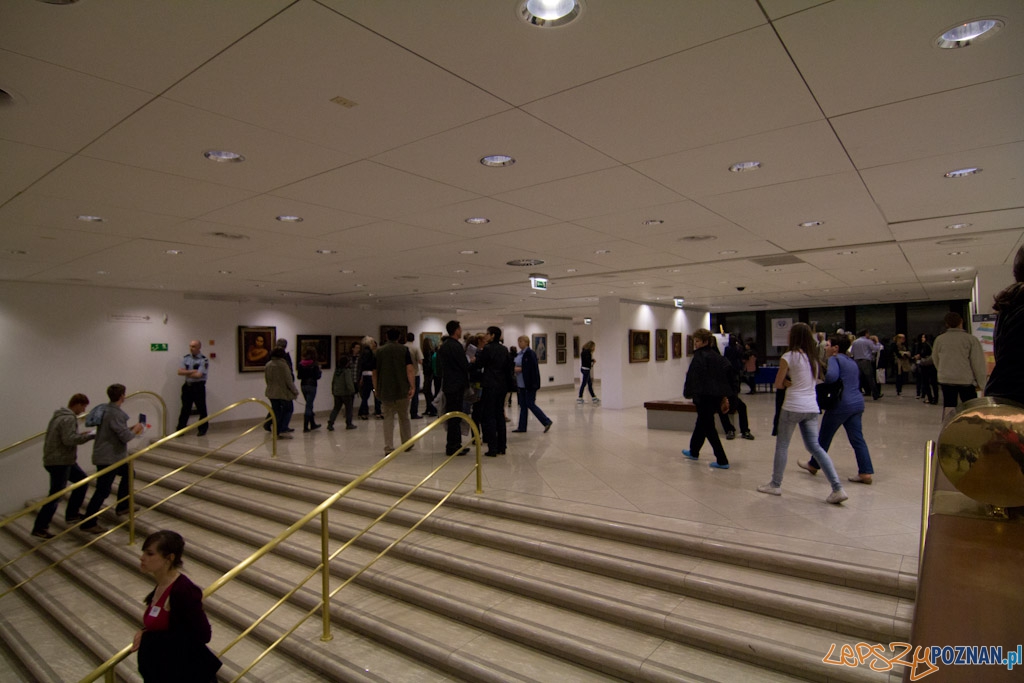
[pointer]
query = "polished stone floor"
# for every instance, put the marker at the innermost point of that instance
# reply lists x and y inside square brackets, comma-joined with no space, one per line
[606,463]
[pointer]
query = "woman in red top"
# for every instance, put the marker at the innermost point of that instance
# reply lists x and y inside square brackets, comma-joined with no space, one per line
[172,642]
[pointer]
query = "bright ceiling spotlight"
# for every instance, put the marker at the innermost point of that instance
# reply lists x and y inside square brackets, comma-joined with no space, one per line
[549,13]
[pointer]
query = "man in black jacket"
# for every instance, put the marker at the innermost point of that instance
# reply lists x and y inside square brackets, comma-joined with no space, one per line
[492,367]
[454,368]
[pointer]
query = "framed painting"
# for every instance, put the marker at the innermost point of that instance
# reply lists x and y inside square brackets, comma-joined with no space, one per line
[575,347]
[559,340]
[433,337]
[343,345]
[639,346]
[660,345]
[254,346]
[403,332]
[320,343]
[677,344]
[540,347]
[560,355]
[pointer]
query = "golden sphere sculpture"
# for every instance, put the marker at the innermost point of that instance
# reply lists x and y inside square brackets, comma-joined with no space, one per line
[981,451]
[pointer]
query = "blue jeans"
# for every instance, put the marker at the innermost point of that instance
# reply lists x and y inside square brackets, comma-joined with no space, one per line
[60,475]
[103,486]
[851,422]
[808,422]
[527,405]
[586,382]
[414,406]
[309,396]
[283,410]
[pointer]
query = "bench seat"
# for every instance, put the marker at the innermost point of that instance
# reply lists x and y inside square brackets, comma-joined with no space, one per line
[675,414]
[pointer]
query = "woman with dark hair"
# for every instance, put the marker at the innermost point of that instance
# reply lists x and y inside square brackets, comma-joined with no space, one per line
[587,372]
[1007,378]
[309,374]
[172,643]
[280,390]
[367,364]
[707,384]
[927,379]
[800,408]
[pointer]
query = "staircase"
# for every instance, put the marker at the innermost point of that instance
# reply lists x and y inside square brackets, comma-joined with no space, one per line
[484,590]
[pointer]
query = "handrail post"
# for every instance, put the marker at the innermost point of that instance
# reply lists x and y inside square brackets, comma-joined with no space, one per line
[926,497]
[131,502]
[326,573]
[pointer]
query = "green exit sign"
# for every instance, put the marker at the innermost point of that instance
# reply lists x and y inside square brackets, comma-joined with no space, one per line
[158,347]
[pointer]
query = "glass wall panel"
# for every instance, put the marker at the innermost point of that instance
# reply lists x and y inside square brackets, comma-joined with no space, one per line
[827,320]
[879,319]
[743,325]
[926,316]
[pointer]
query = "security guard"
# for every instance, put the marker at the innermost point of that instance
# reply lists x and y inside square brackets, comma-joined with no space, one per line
[194,367]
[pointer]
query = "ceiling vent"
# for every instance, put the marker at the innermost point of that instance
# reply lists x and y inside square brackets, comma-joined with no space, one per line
[779,260]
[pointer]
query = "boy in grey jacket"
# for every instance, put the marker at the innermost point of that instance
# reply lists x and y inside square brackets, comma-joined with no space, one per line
[60,458]
[343,387]
[111,445]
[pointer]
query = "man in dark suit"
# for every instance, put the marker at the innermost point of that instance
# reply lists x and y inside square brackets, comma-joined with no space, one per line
[454,368]
[492,366]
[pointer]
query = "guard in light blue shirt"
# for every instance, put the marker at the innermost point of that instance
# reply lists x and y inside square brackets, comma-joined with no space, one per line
[194,368]
[864,350]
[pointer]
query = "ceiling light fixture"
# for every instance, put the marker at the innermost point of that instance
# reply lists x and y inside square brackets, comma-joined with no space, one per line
[173,252]
[224,272]
[957,253]
[811,224]
[968,33]
[958,226]
[525,262]
[17,252]
[601,252]
[570,270]
[223,156]
[744,166]
[653,221]
[290,219]
[847,252]
[469,252]
[697,238]
[963,172]
[91,219]
[497,160]
[478,220]
[347,271]
[727,252]
[326,251]
[550,13]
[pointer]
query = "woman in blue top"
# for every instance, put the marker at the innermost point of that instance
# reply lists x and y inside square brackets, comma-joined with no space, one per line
[847,414]
[799,372]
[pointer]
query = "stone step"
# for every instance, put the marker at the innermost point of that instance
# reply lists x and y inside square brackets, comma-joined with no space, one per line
[762,639]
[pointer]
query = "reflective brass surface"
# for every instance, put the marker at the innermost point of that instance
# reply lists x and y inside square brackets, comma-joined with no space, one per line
[981,451]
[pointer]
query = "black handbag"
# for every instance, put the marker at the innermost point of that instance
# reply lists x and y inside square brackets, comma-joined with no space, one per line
[829,393]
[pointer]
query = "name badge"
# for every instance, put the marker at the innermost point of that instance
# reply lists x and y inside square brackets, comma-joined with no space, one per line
[154,611]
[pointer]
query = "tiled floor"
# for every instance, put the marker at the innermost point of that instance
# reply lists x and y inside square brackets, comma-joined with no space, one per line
[606,463]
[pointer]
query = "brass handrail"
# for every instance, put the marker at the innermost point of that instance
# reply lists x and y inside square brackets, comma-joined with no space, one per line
[163,421]
[107,668]
[927,496]
[129,461]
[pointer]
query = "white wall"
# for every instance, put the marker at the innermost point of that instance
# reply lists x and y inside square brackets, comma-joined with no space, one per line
[58,340]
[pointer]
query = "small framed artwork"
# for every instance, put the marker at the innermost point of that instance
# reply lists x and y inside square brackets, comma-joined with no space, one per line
[677,344]
[343,345]
[403,332]
[559,340]
[320,343]
[540,347]
[254,346]
[639,346]
[689,345]
[433,338]
[660,345]
[575,347]
[560,356]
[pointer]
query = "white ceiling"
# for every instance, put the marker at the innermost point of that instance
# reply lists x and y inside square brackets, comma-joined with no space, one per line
[631,114]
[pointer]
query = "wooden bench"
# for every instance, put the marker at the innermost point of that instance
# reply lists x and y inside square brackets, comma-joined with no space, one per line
[675,414]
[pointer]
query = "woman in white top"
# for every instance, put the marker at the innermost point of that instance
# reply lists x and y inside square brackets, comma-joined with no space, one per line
[803,368]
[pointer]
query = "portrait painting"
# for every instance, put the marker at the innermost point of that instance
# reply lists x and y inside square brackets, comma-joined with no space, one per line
[433,338]
[560,356]
[639,346]
[559,340]
[660,345]
[320,343]
[343,344]
[254,347]
[540,347]
[403,332]
[677,344]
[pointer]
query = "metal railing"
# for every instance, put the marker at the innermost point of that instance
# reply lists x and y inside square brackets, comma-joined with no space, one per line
[163,421]
[106,670]
[129,462]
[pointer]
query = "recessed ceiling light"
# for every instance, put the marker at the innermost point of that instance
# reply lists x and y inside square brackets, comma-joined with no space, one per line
[102,272]
[451,293]
[468,252]
[525,262]
[726,252]
[958,270]
[326,251]
[744,166]
[676,270]
[570,270]
[497,160]
[958,226]
[478,220]
[639,282]
[868,270]
[290,219]
[958,240]
[775,270]
[653,221]
[91,219]
[963,172]
[603,251]
[697,238]
[173,252]
[549,13]
[407,277]
[847,252]
[957,253]
[360,284]
[968,33]
[224,272]
[811,224]
[461,270]
[456,284]
[223,156]
[347,271]
[17,252]
[229,235]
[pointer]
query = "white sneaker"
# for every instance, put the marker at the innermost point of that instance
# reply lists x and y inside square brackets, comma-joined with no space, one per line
[836,497]
[596,401]
[770,490]
[580,401]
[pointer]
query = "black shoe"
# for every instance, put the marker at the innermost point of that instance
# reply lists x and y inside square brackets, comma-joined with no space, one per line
[462,451]
[330,427]
[305,430]
[71,519]
[489,454]
[415,417]
[202,433]
[547,427]
[748,436]
[350,426]
[42,533]
[729,436]
[315,426]
[520,431]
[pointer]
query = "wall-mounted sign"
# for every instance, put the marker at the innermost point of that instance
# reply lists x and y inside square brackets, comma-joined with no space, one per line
[539,282]
[158,347]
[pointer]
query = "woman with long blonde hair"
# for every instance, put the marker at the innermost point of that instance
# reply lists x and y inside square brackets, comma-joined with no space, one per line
[799,372]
